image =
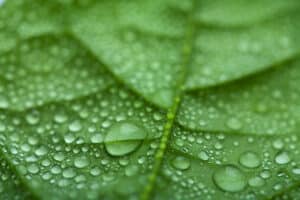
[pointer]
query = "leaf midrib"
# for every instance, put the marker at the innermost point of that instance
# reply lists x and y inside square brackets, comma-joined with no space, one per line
[171,114]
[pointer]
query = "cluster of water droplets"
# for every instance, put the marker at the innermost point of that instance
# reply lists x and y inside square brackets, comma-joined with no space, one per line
[59,72]
[110,136]
[210,163]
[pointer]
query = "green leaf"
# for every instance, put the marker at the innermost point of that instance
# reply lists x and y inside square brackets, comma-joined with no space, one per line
[149,99]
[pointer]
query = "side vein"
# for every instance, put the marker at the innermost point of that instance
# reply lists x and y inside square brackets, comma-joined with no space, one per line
[171,114]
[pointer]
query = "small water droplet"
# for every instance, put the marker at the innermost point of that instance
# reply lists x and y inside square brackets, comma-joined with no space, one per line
[230,178]
[33,169]
[97,138]
[131,170]
[203,155]
[32,118]
[282,158]
[41,151]
[256,182]
[296,171]
[95,171]
[75,126]
[250,160]
[278,144]
[60,118]
[2,127]
[69,173]
[181,163]
[81,162]
[265,174]
[234,124]
[69,138]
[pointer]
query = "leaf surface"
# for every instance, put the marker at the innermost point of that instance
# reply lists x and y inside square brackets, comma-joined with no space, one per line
[149,99]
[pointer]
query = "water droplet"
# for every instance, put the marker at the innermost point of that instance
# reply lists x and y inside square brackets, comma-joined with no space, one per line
[59,156]
[41,151]
[123,138]
[234,124]
[230,178]
[55,170]
[69,138]
[75,126]
[282,158]
[265,174]
[69,173]
[60,118]
[95,171]
[97,138]
[250,160]
[278,144]
[2,127]
[296,171]
[256,182]
[3,101]
[81,162]
[181,163]
[32,118]
[33,169]
[203,155]
[131,170]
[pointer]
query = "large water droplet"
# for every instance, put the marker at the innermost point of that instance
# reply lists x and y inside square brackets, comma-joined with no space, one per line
[282,158]
[250,159]
[181,163]
[230,178]
[123,138]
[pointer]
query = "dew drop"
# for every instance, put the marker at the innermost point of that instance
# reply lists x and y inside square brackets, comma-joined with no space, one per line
[81,162]
[69,173]
[95,171]
[3,102]
[33,169]
[32,118]
[97,138]
[60,118]
[278,144]
[41,151]
[75,126]
[256,182]
[69,138]
[2,127]
[55,170]
[234,124]
[296,171]
[181,163]
[203,155]
[265,174]
[123,138]
[131,170]
[250,160]
[230,178]
[282,158]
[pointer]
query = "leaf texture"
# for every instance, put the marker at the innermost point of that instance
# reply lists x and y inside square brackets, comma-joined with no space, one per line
[149,99]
